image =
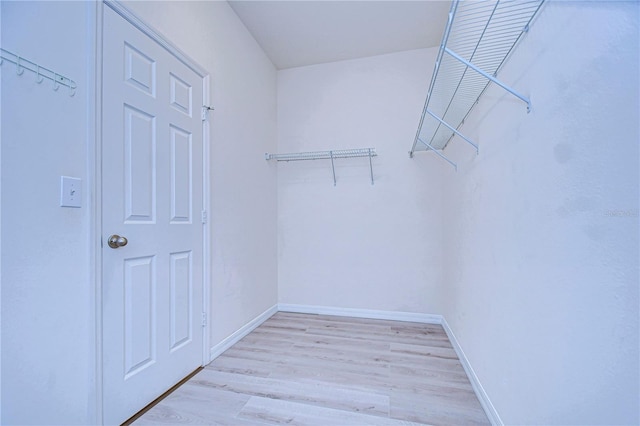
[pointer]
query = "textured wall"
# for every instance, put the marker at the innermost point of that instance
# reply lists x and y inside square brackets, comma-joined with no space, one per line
[541,228]
[356,245]
[48,341]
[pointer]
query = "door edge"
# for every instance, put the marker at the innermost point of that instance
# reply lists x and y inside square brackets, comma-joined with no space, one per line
[95,201]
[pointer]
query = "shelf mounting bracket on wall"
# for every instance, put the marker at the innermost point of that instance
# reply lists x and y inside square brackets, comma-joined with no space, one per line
[478,38]
[491,78]
[328,155]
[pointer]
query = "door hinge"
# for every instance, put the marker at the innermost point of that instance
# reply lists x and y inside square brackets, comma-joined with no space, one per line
[205,109]
[204,216]
[204,319]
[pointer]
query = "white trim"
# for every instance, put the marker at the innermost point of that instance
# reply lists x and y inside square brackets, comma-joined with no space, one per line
[157,36]
[206,227]
[0,226]
[94,178]
[361,313]
[231,340]
[488,407]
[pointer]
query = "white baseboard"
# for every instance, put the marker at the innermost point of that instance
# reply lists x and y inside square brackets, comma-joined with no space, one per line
[488,407]
[225,344]
[361,313]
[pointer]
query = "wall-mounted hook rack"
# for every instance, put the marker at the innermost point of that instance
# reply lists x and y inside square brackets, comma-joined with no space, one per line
[327,155]
[40,71]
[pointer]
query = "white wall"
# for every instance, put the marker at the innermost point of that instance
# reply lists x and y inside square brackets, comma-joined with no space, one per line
[48,341]
[541,229]
[48,327]
[0,222]
[243,186]
[356,245]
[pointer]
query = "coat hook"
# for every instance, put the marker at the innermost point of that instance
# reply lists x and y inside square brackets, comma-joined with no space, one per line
[39,77]
[56,86]
[72,89]
[19,69]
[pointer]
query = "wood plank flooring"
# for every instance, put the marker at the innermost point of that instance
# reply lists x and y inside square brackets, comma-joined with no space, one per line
[327,370]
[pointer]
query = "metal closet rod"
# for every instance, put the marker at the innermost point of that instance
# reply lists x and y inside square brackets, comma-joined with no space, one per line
[40,71]
[327,155]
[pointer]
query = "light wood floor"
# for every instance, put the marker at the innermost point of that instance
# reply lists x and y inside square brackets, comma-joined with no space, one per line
[327,370]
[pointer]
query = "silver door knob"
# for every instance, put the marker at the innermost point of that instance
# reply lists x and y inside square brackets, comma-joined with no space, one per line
[116,241]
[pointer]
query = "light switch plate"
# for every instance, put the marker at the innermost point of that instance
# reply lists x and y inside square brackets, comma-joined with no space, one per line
[70,192]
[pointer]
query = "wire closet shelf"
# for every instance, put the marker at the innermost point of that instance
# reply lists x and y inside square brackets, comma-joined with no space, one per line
[327,155]
[478,38]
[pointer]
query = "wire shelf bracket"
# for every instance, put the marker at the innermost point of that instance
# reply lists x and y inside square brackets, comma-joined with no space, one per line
[477,40]
[328,155]
[40,71]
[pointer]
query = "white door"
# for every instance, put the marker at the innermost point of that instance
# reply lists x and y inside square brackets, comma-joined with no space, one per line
[152,183]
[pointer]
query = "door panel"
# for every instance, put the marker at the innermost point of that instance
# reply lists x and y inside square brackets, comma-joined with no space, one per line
[181,299]
[181,95]
[181,179]
[152,180]
[139,309]
[140,70]
[139,165]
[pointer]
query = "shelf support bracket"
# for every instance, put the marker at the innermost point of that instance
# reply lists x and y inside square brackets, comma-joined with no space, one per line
[490,77]
[455,166]
[370,166]
[453,130]
[333,169]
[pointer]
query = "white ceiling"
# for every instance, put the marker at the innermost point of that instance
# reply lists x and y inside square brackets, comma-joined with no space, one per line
[306,32]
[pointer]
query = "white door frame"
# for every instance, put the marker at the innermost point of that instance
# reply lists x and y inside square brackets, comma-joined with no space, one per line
[95,176]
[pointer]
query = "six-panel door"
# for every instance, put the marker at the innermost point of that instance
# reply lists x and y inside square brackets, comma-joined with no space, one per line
[152,195]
